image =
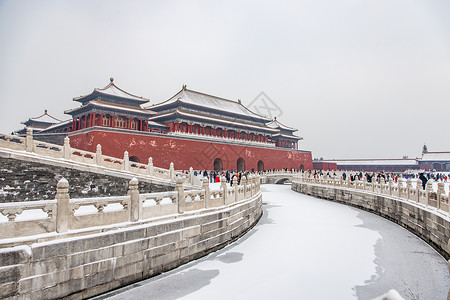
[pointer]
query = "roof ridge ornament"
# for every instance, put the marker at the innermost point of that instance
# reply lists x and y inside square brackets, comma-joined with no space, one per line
[184,87]
[111,79]
[239,101]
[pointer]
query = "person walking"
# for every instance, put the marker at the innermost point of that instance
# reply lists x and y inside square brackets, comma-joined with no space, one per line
[424,180]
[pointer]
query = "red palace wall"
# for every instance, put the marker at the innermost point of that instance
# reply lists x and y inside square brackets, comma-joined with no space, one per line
[185,153]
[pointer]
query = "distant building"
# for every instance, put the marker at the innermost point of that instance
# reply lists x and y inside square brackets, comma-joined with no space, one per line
[38,124]
[374,165]
[439,161]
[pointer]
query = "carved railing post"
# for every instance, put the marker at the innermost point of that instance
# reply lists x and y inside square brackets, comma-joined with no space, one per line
[244,184]
[390,186]
[151,168]
[401,185]
[67,148]
[62,206]
[236,189]
[205,186]
[181,199]
[440,192]
[419,188]
[171,171]
[29,143]
[429,191]
[408,189]
[135,206]
[99,155]
[191,175]
[252,184]
[126,161]
[223,186]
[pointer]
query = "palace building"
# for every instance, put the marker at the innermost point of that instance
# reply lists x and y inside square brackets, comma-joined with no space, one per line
[190,129]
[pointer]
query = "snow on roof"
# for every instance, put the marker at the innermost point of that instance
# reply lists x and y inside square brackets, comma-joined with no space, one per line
[211,102]
[220,120]
[375,162]
[153,123]
[101,103]
[45,118]
[436,156]
[288,136]
[62,123]
[276,124]
[112,90]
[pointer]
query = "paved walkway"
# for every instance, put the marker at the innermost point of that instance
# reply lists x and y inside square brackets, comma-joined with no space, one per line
[307,248]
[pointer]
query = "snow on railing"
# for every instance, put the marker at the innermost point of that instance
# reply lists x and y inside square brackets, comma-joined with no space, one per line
[409,190]
[96,159]
[19,219]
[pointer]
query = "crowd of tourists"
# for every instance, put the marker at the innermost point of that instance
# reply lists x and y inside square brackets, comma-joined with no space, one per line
[385,176]
[216,176]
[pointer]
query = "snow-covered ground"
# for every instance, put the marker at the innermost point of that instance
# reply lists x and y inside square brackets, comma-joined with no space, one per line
[307,248]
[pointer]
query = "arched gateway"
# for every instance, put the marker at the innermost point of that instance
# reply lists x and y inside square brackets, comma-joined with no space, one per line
[260,166]
[218,166]
[240,164]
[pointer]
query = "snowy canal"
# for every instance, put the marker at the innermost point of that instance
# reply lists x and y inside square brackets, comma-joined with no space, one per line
[306,248]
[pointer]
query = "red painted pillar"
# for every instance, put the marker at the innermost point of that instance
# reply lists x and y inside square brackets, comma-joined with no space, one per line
[214,134]
[203,129]
[113,124]
[146,125]
[178,125]
[93,119]
[101,120]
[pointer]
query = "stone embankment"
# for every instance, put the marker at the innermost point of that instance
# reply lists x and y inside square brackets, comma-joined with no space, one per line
[423,212]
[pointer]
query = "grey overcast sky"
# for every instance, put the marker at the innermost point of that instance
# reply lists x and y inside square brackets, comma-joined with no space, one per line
[359,79]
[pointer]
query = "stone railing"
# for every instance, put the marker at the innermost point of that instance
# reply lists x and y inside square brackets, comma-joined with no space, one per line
[22,219]
[97,258]
[423,212]
[66,152]
[409,190]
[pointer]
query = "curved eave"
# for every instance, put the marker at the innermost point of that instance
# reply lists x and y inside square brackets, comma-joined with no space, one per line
[276,124]
[30,122]
[288,136]
[128,110]
[61,124]
[127,96]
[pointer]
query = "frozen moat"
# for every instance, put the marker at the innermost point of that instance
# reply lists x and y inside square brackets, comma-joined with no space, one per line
[307,248]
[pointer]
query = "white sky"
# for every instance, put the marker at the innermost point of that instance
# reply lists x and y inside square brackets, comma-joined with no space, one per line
[359,79]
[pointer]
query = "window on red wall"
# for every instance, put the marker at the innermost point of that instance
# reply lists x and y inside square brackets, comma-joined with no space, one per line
[135,124]
[121,122]
[107,120]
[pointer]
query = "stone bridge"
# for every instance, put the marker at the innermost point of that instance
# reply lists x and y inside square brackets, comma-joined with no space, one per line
[277,177]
